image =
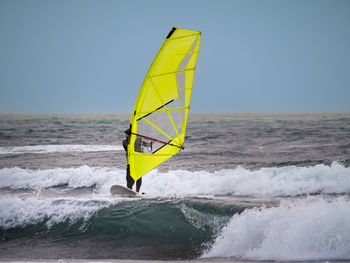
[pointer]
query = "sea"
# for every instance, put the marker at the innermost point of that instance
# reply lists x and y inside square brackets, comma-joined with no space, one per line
[247,187]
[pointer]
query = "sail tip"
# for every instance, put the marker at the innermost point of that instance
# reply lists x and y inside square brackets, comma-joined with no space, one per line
[171,32]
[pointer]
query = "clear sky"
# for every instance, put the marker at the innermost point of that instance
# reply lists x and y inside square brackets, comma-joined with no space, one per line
[90,56]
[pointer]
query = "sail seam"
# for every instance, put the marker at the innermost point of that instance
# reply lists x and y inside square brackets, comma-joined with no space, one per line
[188,53]
[162,110]
[156,127]
[197,34]
[172,122]
[152,154]
[172,72]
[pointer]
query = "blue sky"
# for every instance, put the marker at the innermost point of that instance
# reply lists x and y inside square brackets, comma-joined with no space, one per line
[84,56]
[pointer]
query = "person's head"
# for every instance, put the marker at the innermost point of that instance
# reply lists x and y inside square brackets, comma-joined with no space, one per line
[127,132]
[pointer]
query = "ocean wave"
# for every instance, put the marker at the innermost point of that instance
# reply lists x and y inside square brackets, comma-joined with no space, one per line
[58,148]
[158,227]
[84,176]
[265,182]
[142,215]
[16,212]
[303,229]
[313,228]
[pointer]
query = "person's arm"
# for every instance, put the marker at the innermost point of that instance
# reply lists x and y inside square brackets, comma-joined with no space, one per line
[125,145]
[147,144]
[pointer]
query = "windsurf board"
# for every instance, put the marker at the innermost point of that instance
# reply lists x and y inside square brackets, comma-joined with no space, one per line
[122,191]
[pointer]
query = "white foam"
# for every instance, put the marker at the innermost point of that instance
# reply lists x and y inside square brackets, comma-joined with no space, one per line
[307,229]
[58,148]
[84,176]
[266,182]
[16,212]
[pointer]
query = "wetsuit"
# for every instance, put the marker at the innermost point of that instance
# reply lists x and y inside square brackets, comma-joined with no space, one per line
[129,180]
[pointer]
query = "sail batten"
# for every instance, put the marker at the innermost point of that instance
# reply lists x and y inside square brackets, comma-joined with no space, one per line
[148,113]
[163,110]
[159,119]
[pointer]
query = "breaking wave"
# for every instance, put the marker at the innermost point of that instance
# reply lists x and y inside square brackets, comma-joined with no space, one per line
[113,226]
[265,182]
[174,218]
[17,212]
[305,229]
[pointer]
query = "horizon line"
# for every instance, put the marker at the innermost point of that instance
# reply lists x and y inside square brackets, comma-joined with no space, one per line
[199,113]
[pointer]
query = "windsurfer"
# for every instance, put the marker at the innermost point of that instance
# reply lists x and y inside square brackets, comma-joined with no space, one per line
[129,180]
[138,147]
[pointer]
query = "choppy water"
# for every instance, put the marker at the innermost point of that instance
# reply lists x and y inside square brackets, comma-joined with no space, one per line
[251,187]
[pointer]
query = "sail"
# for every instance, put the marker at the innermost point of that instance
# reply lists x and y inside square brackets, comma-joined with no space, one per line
[159,118]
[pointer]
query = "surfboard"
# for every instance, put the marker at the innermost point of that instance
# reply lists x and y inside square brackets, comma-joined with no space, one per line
[122,191]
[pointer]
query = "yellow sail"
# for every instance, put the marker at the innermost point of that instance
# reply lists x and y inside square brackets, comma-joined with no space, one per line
[159,118]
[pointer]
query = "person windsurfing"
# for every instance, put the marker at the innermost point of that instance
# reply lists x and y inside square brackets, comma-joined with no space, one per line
[138,147]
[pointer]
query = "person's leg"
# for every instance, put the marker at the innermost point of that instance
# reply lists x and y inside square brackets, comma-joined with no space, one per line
[129,181]
[138,184]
